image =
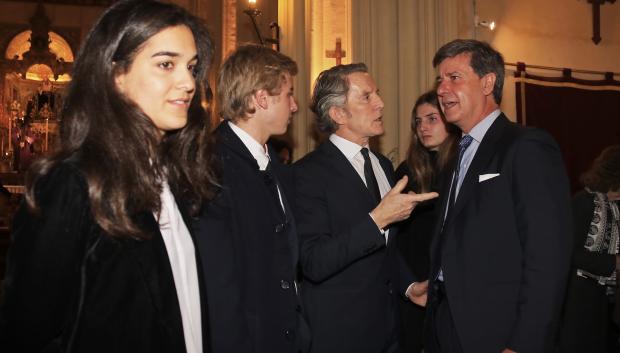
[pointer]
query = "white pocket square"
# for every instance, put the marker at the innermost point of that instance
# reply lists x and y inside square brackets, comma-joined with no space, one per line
[484,177]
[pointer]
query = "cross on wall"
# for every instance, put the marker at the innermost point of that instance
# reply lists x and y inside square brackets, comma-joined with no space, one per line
[338,54]
[596,18]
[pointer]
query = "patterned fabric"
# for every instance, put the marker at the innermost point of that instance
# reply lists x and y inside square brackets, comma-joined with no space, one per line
[603,235]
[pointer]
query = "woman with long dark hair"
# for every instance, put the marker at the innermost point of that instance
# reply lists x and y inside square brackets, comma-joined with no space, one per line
[102,259]
[593,283]
[432,147]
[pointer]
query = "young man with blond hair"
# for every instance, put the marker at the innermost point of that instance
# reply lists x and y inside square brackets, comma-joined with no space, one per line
[247,236]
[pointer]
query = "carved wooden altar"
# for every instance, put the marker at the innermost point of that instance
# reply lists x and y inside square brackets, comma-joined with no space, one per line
[33,76]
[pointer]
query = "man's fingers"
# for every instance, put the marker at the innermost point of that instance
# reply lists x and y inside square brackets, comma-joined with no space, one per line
[422,197]
[421,300]
[400,186]
[420,288]
[423,286]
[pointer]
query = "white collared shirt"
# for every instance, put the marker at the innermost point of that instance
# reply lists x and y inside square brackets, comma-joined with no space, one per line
[352,151]
[477,133]
[182,256]
[258,152]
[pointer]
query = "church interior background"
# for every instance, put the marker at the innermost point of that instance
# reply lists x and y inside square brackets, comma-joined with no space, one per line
[395,38]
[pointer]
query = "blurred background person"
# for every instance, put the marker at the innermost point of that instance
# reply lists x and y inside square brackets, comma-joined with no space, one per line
[432,147]
[283,149]
[587,324]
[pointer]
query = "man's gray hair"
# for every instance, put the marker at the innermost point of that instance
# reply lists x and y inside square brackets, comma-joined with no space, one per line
[330,90]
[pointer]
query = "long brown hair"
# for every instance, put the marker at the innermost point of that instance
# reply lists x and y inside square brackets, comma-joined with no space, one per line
[418,159]
[118,149]
[604,174]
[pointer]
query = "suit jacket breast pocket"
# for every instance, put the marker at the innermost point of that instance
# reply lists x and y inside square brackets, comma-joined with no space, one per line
[489,180]
[491,187]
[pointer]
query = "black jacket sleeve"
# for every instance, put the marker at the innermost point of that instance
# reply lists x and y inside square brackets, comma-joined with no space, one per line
[42,280]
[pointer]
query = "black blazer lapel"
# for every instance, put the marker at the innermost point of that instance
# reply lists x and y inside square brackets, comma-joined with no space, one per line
[487,149]
[389,173]
[388,170]
[152,258]
[439,223]
[340,163]
[444,196]
[283,176]
[226,136]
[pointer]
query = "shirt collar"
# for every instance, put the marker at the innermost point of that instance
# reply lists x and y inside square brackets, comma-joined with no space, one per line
[481,128]
[258,152]
[348,148]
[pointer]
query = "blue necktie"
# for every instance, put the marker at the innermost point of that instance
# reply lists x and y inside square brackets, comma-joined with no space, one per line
[463,144]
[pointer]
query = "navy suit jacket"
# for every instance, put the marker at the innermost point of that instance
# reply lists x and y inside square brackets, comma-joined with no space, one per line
[249,255]
[506,243]
[351,278]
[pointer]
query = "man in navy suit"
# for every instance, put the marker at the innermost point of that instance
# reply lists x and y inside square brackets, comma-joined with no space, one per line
[346,204]
[246,236]
[501,250]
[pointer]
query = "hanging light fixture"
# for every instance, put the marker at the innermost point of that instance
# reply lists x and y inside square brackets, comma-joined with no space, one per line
[253,12]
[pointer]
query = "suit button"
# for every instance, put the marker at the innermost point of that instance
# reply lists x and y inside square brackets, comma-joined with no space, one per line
[280,228]
[298,308]
[289,334]
[285,284]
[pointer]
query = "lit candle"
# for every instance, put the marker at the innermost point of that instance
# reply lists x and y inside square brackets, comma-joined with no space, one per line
[252,4]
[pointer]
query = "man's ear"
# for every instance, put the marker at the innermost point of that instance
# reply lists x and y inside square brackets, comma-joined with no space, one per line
[260,99]
[338,114]
[488,83]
